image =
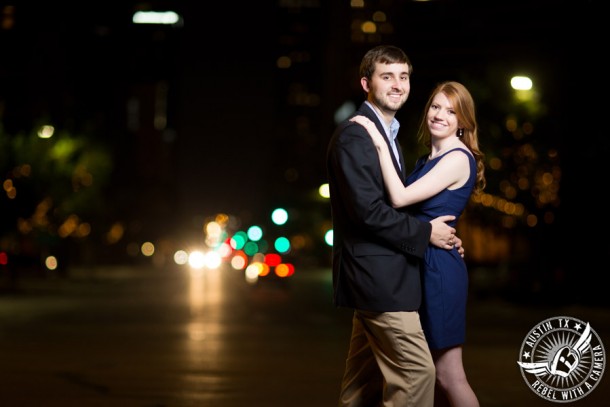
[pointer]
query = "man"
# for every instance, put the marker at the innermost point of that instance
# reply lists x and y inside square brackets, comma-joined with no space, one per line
[377,250]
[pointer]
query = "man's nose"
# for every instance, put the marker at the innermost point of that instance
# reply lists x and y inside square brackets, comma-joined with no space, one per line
[396,83]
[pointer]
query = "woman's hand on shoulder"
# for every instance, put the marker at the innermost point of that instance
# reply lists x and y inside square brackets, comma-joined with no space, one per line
[370,127]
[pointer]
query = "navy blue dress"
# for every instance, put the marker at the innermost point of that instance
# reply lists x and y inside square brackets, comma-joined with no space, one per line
[444,273]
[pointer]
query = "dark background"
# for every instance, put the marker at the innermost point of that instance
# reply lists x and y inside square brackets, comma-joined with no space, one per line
[243,136]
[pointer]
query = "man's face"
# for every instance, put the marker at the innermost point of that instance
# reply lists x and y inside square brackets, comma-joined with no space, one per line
[388,87]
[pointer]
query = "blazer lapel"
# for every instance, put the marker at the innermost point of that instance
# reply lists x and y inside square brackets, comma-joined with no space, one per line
[400,169]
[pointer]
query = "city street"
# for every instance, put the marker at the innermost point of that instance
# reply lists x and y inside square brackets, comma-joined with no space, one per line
[154,337]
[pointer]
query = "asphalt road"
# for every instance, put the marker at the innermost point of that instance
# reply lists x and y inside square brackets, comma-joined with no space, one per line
[154,337]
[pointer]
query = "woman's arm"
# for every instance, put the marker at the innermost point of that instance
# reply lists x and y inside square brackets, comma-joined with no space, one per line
[447,173]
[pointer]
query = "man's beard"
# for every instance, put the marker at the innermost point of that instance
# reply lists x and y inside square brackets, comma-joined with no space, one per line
[386,105]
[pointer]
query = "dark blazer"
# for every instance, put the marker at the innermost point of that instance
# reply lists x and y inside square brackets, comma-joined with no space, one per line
[376,248]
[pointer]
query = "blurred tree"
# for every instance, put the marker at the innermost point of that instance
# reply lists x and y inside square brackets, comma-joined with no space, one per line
[53,192]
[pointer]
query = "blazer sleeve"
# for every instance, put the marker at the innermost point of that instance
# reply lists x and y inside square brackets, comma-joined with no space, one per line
[360,185]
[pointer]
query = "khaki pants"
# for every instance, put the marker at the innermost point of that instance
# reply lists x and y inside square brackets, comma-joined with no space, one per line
[389,363]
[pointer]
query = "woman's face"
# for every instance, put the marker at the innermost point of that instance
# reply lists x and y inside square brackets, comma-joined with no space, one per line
[442,120]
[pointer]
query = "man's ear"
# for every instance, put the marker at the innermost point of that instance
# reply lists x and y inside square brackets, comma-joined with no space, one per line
[364,82]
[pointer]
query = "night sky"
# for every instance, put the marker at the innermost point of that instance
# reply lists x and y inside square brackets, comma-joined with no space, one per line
[232,132]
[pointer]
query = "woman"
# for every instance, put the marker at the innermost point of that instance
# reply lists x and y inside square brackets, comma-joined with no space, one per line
[441,182]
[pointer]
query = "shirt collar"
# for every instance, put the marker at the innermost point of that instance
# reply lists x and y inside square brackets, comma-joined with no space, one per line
[389,131]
